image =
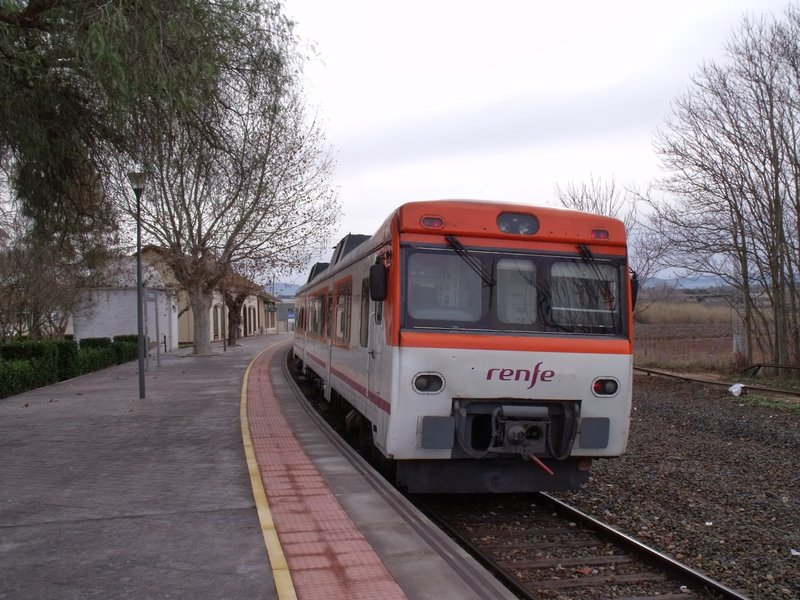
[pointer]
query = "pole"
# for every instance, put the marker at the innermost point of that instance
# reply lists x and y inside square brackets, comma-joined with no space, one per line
[158,333]
[224,328]
[139,292]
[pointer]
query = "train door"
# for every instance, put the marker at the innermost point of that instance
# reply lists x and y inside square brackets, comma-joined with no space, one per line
[329,343]
[375,351]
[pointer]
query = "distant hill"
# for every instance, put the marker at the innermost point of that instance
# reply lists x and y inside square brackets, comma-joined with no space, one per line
[686,283]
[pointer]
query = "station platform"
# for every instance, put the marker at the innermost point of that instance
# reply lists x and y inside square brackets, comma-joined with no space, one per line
[217,485]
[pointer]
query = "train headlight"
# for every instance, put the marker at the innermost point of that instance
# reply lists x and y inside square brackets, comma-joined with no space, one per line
[428,383]
[517,223]
[605,386]
[432,222]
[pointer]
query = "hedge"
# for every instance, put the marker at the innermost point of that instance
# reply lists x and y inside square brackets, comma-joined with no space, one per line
[27,365]
[94,359]
[16,376]
[99,342]
[43,357]
[67,359]
[125,351]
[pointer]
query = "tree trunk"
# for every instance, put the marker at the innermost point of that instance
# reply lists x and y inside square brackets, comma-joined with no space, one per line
[200,302]
[234,306]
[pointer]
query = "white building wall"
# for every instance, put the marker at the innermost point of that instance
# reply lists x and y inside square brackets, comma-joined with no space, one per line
[161,318]
[107,312]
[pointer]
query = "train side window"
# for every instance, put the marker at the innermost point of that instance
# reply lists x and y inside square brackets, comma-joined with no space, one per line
[317,314]
[343,301]
[364,321]
[328,305]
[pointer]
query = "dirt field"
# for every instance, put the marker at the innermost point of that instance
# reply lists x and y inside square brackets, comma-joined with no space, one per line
[689,347]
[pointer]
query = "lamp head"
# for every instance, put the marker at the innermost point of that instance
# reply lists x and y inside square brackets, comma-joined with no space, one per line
[137,180]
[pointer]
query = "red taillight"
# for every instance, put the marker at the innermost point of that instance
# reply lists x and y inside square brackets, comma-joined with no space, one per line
[605,387]
[432,222]
[600,234]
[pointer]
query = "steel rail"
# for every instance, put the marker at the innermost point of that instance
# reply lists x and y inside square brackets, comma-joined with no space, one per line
[506,578]
[695,579]
[483,582]
[759,388]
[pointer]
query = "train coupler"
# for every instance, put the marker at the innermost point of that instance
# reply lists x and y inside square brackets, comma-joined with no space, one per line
[536,461]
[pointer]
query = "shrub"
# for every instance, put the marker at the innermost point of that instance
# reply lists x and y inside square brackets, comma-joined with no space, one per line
[42,356]
[98,342]
[94,359]
[67,362]
[16,376]
[27,365]
[125,351]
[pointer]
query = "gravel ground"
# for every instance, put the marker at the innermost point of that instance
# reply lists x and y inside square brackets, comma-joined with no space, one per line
[710,480]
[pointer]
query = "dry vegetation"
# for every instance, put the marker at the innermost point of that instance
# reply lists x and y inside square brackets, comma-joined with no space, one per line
[685,335]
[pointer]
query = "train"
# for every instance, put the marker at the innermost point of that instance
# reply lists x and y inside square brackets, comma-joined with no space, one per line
[476,346]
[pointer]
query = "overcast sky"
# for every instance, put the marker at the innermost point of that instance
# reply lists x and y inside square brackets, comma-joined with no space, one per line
[502,100]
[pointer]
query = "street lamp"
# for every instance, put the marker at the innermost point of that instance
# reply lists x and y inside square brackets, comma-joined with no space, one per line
[137,181]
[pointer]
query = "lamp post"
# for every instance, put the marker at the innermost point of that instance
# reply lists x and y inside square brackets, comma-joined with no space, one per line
[137,181]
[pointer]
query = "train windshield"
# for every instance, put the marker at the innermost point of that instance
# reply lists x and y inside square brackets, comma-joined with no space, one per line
[513,292]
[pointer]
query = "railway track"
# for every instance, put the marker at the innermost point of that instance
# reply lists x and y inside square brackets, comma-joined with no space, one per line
[542,548]
[703,381]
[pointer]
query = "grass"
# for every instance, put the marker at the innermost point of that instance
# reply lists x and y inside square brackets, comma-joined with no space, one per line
[768,402]
[673,313]
[684,336]
[697,338]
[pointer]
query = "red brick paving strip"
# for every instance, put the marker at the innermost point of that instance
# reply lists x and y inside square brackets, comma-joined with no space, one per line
[327,556]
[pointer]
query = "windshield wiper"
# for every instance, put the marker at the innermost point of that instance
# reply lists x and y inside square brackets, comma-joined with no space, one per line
[589,259]
[474,263]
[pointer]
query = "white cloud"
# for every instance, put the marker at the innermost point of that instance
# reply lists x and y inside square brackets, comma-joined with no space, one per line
[443,98]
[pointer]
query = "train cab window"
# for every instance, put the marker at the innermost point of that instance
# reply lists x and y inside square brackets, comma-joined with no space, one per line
[443,287]
[584,295]
[364,320]
[342,304]
[516,291]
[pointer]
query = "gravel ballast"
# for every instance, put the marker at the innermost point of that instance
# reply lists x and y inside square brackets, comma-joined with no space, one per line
[710,479]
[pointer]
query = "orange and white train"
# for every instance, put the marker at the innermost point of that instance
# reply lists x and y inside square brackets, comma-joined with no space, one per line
[477,346]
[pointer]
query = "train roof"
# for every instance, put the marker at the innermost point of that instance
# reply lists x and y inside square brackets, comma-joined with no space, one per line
[479,218]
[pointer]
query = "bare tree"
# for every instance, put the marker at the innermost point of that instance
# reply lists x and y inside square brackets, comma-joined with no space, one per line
[600,197]
[236,289]
[78,79]
[254,196]
[645,243]
[39,287]
[731,151]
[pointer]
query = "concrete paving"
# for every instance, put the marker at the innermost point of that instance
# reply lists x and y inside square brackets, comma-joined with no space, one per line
[103,495]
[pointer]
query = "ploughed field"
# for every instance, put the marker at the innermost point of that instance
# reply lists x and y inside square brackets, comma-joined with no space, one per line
[689,347]
[710,479]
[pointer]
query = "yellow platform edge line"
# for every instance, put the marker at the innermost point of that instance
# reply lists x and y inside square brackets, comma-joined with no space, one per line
[277,560]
